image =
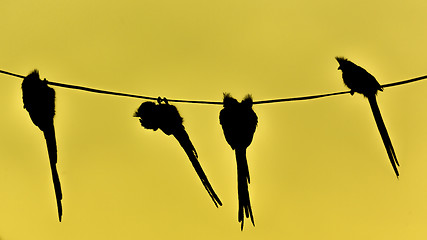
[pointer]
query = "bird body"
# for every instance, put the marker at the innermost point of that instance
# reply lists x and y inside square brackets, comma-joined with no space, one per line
[167,118]
[39,101]
[239,122]
[359,80]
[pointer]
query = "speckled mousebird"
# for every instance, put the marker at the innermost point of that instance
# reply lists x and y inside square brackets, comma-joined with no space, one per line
[359,80]
[167,118]
[239,121]
[39,101]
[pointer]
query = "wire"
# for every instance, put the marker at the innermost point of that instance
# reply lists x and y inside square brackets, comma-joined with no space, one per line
[338,93]
[212,102]
[300,98]
[87,89]
[12,74]
[403,82]
[98,91]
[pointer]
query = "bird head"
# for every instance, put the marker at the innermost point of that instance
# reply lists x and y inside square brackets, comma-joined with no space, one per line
[228,100]
[343,62]
[34,75]
[248,101]
[32,81]
[147,115]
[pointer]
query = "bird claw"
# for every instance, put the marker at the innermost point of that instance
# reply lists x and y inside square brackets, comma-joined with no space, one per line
[160,100]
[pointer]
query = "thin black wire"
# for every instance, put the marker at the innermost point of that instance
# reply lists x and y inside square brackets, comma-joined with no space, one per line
[300,98]
[403,82]
[98,91]
[12,74]
[87,89]
[212,102]
[125,94]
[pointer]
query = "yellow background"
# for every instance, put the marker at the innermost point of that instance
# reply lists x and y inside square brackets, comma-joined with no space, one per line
[318,168]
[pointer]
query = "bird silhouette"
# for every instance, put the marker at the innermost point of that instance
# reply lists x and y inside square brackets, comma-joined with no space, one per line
[39,101]
[359,80]
[239,121]
[167,118]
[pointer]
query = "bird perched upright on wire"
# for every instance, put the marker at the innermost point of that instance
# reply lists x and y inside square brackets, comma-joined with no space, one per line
[239,121]
[359,80]
[167,118]
[39,101]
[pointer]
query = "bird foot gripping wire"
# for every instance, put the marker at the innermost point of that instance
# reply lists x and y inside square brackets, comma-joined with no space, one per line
[39,101]
[357,79]
[160,100]
[167,118]
[239,121]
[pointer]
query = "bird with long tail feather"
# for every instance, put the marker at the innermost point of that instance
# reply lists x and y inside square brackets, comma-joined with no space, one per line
[167,118]
[239,121]
[359,80]
[39,101]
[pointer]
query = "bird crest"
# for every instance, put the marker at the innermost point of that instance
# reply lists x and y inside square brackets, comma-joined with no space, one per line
[248,101]
[343,62]
[229,101]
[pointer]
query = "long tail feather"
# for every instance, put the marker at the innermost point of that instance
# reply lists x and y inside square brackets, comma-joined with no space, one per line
[185,142]
[242,187]
[49,135]
[384,134]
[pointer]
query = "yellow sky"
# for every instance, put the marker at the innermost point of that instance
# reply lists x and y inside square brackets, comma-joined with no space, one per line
[318,168]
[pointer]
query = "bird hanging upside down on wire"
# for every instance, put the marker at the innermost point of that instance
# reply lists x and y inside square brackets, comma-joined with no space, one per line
[359,80]
[39,101]
[167,118]
[239,121]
